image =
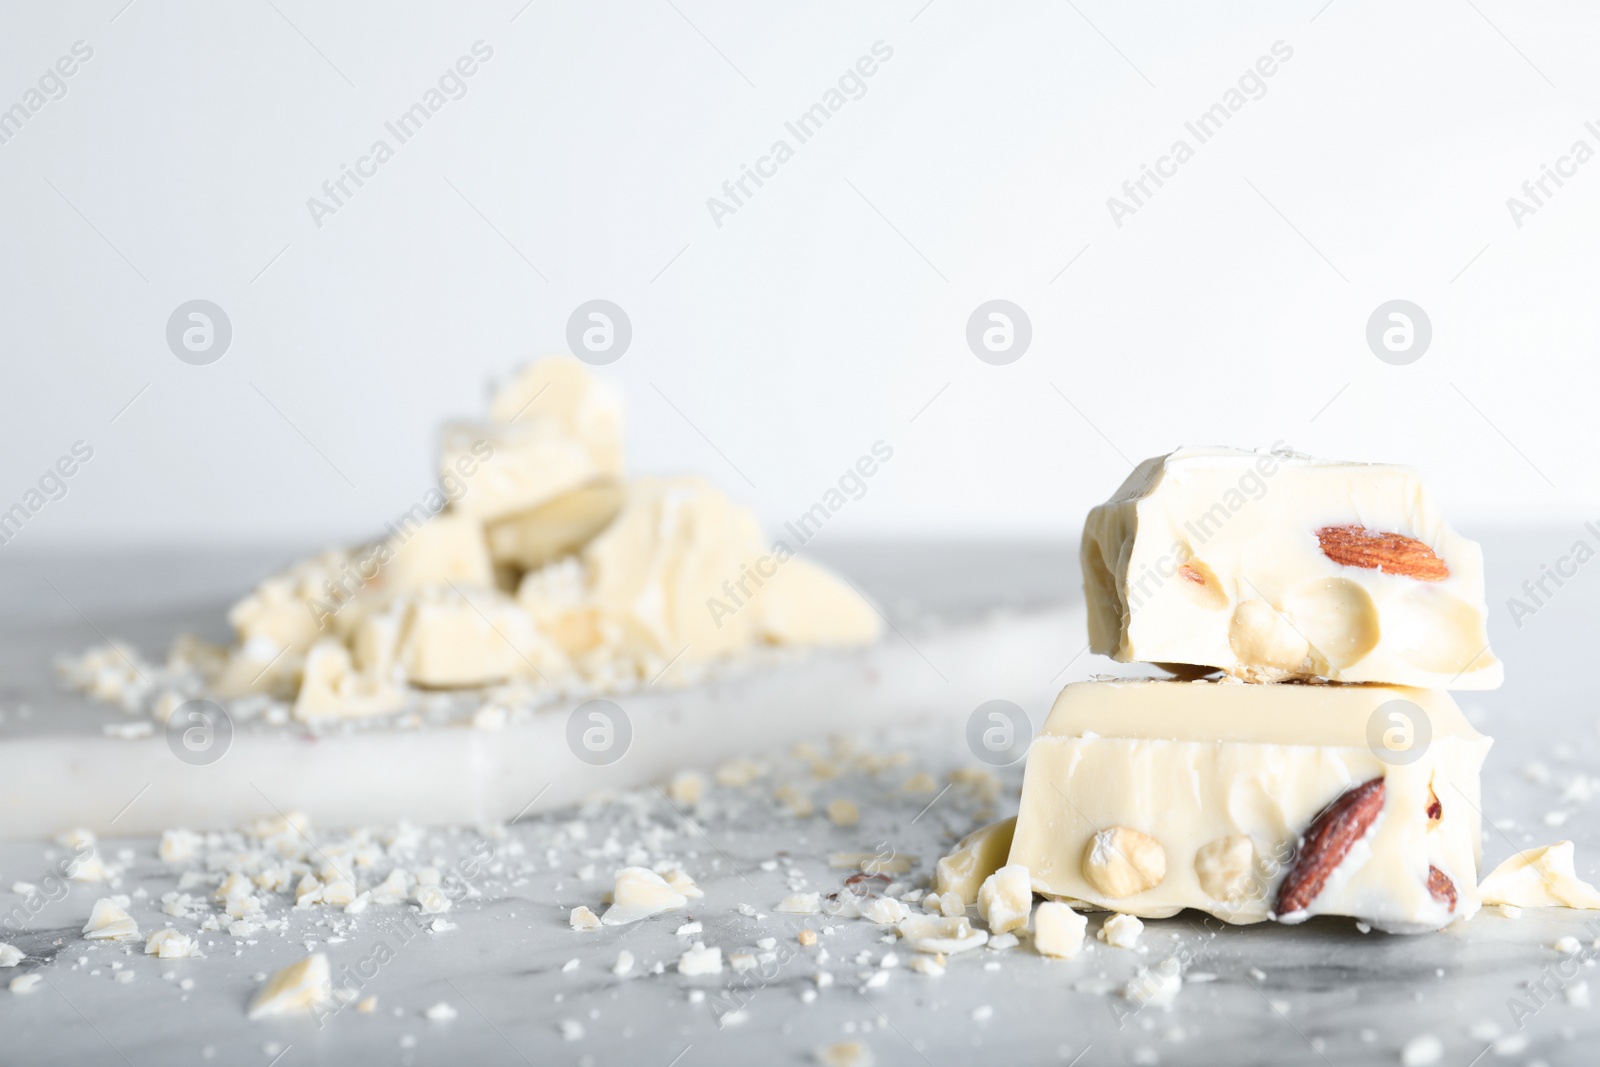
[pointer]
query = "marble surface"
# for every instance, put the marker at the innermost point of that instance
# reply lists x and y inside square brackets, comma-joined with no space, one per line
[1318,993]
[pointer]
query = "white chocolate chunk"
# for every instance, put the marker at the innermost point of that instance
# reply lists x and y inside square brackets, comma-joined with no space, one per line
[1121,931]
[800,904]
[448,548]
[936,934]
[884,911]
[1542,877]
[1058,930]
[553,429]
[583,919]
[300,987]
[700,960]
[1272,565]
[11,955]
[169,944]
[1195,763]
[1005,900]
[108,921]
[638,894]
[331,687]
[979,855]
[530,539]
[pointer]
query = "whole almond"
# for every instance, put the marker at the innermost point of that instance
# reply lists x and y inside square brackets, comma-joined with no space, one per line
[1327,841]
[1391,553]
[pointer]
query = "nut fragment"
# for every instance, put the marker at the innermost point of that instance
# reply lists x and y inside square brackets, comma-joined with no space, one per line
[1261,637]
[1120,862]
[1435,809]
[1442,888]
[1327,841]
[1392,553]
[1227,867]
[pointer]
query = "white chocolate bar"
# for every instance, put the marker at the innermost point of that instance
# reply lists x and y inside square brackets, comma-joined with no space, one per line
[1274,566]
[1148,797]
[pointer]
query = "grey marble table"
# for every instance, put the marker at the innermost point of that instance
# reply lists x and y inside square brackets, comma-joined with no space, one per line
[1490,991]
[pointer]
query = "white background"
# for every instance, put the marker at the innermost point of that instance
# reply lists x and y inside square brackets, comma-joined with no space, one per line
[830,310]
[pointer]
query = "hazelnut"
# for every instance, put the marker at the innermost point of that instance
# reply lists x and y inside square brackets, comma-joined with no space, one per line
[1120,862]
[1227,868]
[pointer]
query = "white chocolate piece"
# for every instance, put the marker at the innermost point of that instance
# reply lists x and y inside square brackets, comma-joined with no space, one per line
[552,430]
[528,540]
[638,894]
[108,921]
[453,638]
[1058,930]
[1121,931]
[670,551]
[448,548]
[1195,765]
[1216,557]
[583,919]
[300,987]
[700,960]
[281,612]
[1005,900]
[169,944]
[938,935]
[331,687]
[11,955]
[802,604]
[974,859]
[1542,877]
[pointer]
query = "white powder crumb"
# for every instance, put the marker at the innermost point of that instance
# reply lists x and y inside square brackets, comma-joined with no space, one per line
[1363,928]
[1484,1030]
[571,1030]
[1568,945]
[1421,1051]
[926,965]
[570,966]
[441,1012]
[689,929]
[624,963]
[1578,994]
[1258,974]
[982,1013]
[25,983]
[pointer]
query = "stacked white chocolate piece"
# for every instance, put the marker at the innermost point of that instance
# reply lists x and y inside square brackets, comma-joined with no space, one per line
[1325,770]
[535,564]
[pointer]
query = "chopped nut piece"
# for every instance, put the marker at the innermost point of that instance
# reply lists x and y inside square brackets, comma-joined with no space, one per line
[1227,867]
[1120,862]
[843,813]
